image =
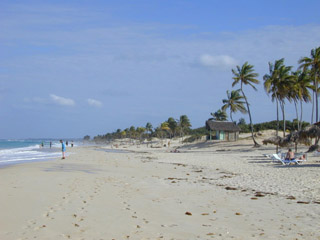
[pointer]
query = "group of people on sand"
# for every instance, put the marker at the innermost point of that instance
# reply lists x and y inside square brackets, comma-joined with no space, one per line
[290,155]
[63,149]
[50,144]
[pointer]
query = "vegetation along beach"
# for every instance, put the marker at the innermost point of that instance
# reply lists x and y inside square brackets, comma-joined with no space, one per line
[174,120]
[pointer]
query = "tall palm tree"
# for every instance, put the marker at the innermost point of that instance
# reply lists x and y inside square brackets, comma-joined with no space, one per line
[219,115]
[284,85]
[271,82]
[246,76]
[299,92]
[278,82]
[313,63]
[234,103]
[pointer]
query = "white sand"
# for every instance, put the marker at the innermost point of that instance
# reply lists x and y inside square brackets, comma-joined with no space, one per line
[145,194]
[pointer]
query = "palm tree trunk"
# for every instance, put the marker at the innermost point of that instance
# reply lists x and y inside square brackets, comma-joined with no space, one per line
[316,88]
[231,115]
[297,114]
[300,127]
[313,94]
[283,117]
[277,131]
[316,95]
[251,125]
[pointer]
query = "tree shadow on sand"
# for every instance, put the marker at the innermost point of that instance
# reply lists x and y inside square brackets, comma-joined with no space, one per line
[261,161]
[305,165]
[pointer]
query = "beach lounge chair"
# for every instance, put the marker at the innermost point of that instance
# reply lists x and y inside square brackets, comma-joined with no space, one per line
[270,156]
[302,157]
[283,161]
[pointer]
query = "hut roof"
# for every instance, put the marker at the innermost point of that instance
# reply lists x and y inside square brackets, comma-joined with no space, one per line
[222,126]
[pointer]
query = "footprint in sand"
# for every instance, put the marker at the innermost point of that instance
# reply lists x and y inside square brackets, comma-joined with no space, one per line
[66,236]
[30,224]
[145,221]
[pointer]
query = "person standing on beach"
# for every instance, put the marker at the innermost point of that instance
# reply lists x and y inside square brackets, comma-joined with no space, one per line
[50,144]
[63,149]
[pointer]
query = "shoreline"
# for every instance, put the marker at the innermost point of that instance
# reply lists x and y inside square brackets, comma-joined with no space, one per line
[206,191]
[44,154]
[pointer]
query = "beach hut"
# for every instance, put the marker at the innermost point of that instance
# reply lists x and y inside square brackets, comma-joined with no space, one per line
[227,131]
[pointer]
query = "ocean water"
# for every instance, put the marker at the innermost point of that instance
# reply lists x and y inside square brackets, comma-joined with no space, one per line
[21,151]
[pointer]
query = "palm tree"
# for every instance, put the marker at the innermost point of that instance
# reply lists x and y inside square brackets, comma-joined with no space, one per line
[278,83]
[246,76]
[123,134]
[285,82]
[234,103]
[132,133]
[219,115]
[118,133]
[299,92]
[313,63]
[183,124]
[172,124]
[271,84]
[149,128]
[164,127]
[140,131]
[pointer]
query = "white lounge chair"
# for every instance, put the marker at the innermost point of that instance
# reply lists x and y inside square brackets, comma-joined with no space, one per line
[283,161]
[302,157]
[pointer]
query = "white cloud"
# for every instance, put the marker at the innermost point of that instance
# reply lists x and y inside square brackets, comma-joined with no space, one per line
[220,61]
[62,101]
[94,102]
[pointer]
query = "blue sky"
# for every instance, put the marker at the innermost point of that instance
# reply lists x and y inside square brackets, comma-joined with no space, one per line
[71,68]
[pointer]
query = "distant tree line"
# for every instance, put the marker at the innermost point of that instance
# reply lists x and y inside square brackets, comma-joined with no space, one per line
[168,129]
[172,130]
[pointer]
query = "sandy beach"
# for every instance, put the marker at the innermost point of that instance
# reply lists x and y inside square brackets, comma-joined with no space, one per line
[209,190]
